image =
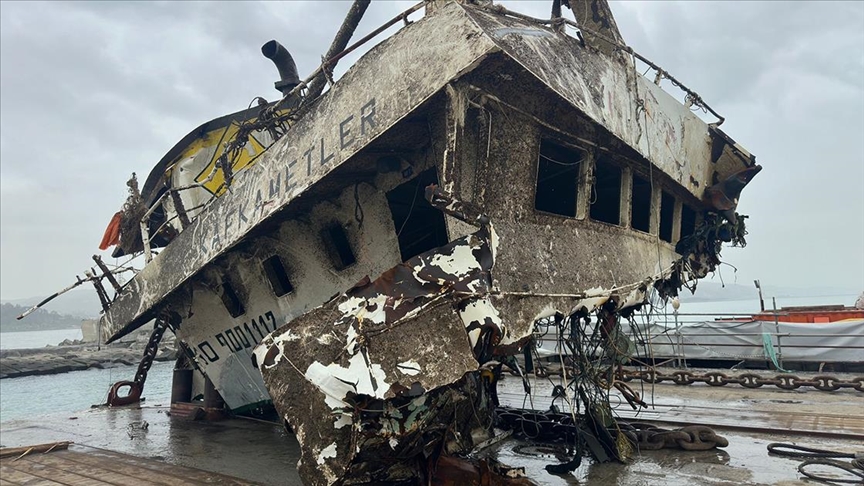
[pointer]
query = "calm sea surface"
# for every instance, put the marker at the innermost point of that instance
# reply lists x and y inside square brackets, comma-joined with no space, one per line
[31,396]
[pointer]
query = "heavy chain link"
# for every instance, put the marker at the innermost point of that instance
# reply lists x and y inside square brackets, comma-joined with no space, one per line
[690,438]
[554,426]
[748,380]
[150,351]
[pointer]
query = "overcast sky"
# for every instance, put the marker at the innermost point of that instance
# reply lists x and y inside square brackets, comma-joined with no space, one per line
[94,91]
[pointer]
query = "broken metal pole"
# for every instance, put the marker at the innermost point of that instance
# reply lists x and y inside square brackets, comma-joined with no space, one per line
[180,209]
[100,290]
[107,273]
[556,15]
[50,298]
[349,25]
[596,16]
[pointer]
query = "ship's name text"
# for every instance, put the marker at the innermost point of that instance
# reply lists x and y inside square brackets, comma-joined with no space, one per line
[265,195]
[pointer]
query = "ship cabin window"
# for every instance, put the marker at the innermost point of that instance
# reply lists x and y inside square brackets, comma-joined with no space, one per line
[640,205]
[688,221]
[419,226]
[230,300]
[336,242]
[606,193]
[557,179]
[278,277]
[667,212]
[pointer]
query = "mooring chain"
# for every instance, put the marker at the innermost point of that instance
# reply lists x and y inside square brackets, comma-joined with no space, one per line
[825,383]
[554,426]
[690,438]
[150,351]
[136,387]
[747,380]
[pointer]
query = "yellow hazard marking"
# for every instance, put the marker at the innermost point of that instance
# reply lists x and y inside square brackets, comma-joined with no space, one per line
[220,137]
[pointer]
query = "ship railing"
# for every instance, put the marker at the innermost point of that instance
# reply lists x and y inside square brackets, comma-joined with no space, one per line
[691,97]
[181,214]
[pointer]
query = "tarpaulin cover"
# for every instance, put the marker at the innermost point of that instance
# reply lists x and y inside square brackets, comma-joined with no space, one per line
[841,341]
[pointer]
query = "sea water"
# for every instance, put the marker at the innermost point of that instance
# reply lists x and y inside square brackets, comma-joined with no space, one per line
[31,396]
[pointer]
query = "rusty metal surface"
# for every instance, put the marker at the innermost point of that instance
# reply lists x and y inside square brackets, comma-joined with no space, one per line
[392,363]
[634,109]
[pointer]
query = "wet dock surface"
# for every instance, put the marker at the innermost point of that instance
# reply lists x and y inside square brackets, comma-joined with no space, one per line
[244,449]
[258,452]
[89,466]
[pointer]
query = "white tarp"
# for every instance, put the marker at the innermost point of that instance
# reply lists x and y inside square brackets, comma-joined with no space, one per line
[841,341]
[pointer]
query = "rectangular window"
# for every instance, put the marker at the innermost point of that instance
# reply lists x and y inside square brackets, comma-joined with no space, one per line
[278,277]
[557,179]
[688,221]
[640,205]
[231,301]
[419,226]
[336,242]
[667,213]
[606,197]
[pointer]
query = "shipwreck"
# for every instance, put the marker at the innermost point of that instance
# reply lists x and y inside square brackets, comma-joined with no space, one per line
[369,259]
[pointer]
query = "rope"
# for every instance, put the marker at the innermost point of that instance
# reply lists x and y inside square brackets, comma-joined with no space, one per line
[823,457]
[776,448]
[768,345]
[852,468]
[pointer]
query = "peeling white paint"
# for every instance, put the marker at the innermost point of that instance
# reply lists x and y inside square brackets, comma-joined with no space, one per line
[459,264]
[328,453]
[477,311]
[343,420]
[410,368]
[351,338]
[335,381]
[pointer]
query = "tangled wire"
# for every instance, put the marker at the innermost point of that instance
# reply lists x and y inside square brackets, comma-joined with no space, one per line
[590,347]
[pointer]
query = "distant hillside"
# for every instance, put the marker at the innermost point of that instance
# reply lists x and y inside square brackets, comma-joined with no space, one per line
[80,302]
[41,320]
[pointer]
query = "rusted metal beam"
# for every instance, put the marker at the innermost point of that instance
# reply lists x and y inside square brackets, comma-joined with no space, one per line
[349,25]
[180,209]
[107,273]
[597,17]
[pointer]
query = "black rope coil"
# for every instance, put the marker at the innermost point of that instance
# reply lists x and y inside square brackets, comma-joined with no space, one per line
[823,457]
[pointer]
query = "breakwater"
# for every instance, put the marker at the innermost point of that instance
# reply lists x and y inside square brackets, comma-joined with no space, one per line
[76,357]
